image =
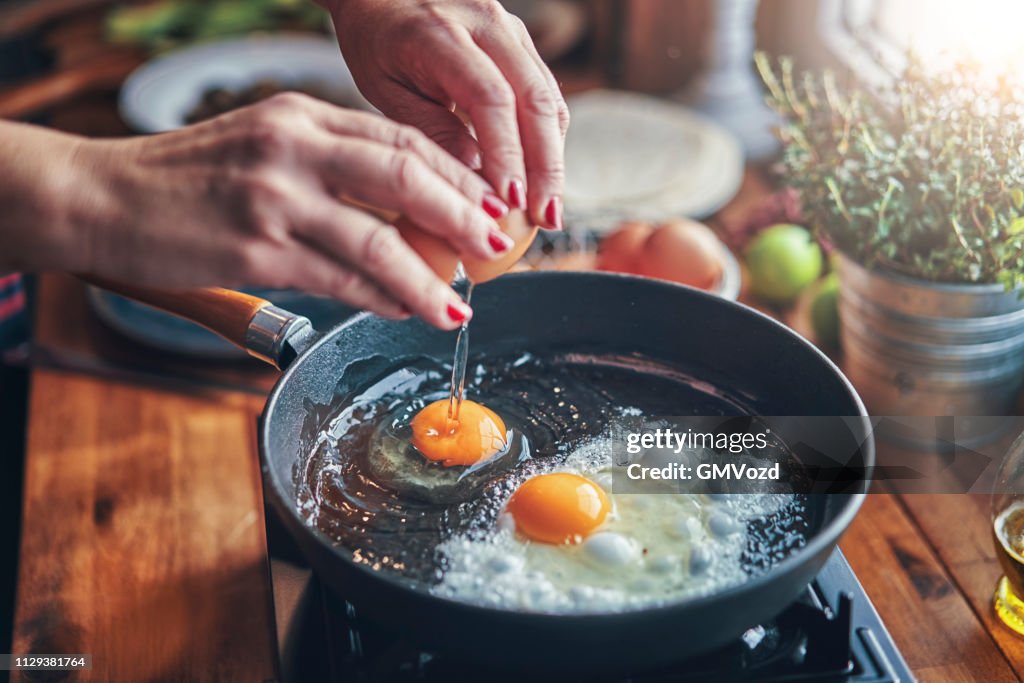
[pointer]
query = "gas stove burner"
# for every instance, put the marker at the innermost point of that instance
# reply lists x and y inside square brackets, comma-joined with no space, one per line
[831,634]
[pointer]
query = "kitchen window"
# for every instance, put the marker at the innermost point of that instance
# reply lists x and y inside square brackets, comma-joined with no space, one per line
[872,36]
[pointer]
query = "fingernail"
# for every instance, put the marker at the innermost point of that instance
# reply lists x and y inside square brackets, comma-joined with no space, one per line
[494,207]
[459,312]
[499,241]
[517,194]
[553,213]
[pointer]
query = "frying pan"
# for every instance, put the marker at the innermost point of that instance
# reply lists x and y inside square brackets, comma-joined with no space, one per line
[724,343]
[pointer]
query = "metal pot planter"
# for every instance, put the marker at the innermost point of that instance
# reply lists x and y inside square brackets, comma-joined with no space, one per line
[915,347]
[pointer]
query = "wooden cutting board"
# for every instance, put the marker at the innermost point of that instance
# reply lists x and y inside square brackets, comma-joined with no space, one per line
[143,539]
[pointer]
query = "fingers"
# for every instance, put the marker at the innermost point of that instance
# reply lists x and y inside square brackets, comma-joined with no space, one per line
[473,81]
[541,112]
[401,180]
[377,252]
[415,176]
[318,274]
[437,122]
[527,42]
[433,117]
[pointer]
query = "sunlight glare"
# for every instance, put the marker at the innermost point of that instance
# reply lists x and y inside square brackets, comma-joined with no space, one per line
[985,31]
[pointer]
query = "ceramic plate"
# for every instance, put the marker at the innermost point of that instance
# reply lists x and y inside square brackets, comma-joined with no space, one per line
[631,156]
[158,95]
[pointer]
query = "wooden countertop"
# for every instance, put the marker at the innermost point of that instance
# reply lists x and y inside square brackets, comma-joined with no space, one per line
[143,538]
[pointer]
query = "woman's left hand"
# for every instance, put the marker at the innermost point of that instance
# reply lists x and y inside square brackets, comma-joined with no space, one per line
[416,60]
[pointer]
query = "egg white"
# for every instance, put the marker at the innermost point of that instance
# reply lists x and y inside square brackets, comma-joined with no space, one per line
[653,548]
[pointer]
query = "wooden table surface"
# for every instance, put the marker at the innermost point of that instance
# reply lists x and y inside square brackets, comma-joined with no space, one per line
[143,537]
[143,533]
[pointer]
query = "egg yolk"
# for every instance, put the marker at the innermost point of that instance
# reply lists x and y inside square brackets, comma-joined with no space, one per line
[476,435]
[558,507]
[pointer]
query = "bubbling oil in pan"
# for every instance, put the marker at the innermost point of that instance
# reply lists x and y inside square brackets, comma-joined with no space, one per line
[558,408]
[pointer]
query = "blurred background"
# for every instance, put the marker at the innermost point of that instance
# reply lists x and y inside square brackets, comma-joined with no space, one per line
[653,46]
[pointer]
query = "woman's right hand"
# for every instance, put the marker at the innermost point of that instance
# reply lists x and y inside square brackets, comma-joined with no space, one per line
[252,197]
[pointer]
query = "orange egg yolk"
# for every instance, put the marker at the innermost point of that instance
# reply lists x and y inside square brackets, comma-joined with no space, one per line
[476,435]
[558,507]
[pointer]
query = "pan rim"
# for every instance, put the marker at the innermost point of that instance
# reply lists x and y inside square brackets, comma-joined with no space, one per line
[827,536]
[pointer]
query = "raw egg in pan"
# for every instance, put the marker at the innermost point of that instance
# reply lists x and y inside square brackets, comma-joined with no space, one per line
[422,452]
[475,435]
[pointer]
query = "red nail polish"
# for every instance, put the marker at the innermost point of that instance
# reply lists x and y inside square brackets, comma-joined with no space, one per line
[517,194]
[494,207]
[553,213]
[458,314]
[498,241]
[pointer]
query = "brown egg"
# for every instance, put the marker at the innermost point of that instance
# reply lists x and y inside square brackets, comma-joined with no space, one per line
[682,251]
[619,251]
[517,226]
[443,260]
[437,253]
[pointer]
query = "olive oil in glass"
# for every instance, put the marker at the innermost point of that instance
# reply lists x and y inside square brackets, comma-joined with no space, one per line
[1008,536]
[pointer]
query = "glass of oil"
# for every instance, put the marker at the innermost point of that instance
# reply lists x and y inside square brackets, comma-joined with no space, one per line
[1008,535]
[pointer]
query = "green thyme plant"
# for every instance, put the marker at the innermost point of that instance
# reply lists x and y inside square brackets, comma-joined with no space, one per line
[924,177]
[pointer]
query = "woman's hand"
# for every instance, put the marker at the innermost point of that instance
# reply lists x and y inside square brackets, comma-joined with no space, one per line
[251,197]
[416,60]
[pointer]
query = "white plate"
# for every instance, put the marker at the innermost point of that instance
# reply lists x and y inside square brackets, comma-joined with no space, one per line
[631,156]
[158,95]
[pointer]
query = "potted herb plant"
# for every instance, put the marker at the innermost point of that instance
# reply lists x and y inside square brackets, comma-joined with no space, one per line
[919,185]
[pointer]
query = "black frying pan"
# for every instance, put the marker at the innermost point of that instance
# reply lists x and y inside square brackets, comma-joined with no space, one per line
[727,344]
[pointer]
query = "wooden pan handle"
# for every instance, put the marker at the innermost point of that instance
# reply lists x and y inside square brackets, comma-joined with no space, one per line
[222,311]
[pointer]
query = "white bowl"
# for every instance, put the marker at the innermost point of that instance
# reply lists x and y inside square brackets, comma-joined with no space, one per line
[728,286]
[158,95]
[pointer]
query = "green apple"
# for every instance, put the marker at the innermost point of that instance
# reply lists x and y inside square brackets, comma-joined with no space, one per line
[782,260]
[825,311]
